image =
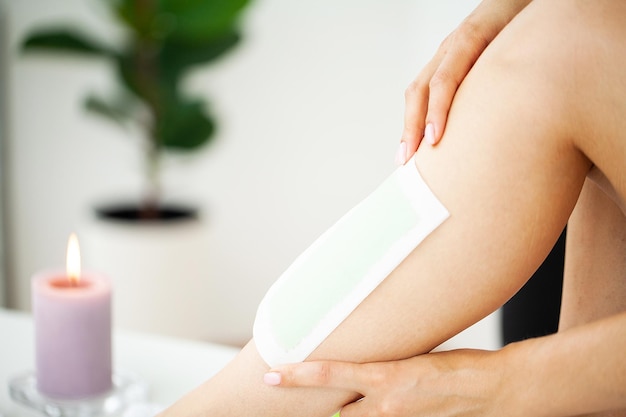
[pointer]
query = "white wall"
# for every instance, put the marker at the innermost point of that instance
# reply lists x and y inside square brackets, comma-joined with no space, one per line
[310,109]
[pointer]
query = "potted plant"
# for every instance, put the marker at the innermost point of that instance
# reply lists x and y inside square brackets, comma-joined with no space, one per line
[162,40]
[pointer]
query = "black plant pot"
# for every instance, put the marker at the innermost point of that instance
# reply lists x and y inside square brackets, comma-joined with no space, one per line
[133,213]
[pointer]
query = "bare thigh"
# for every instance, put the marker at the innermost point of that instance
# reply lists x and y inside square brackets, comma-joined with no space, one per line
[595,265]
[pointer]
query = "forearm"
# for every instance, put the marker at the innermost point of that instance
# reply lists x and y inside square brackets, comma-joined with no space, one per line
[578,371]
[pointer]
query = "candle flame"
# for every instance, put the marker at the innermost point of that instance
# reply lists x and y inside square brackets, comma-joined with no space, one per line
[73,260]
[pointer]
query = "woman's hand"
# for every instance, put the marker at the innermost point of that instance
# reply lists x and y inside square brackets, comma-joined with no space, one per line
[445,384]
[429,96]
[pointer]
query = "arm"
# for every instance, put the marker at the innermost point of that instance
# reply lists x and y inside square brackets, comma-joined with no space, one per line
[570,373]
[578,371]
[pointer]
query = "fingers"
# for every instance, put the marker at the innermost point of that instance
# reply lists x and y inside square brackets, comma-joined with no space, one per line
[429,97]
[443,86]
[427,101]
[444,83]
[416,101]
[323,374]
[329,374]
[416,105]
[358,408]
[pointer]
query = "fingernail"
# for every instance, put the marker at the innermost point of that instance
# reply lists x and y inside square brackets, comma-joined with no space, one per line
[272,378]
[401,154]
[429,134]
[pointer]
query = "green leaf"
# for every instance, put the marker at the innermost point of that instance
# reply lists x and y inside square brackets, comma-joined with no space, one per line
[128,73]
[184,126]
[176,57]
[138,15]
[198,20]
[123,10]
[65,40]
[118,111]
[184,20]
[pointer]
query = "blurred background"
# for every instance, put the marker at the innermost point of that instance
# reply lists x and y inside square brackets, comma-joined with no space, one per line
[309,108]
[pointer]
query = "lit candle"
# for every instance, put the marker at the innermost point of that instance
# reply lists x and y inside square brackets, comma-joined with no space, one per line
[72,313]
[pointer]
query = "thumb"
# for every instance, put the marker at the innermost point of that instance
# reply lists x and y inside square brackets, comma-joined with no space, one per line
[322,374]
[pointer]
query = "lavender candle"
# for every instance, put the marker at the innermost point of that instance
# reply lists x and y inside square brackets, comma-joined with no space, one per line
[72,314]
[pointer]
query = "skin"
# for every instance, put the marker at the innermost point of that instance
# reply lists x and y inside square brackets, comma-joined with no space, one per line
[588,372]
[594,290]
[513,160]
[429,96]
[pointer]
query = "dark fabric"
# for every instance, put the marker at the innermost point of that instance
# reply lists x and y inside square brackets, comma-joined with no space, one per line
[534,310]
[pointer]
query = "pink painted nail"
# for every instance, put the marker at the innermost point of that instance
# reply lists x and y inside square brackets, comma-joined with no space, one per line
[401,154]
[272,378]
[429,134]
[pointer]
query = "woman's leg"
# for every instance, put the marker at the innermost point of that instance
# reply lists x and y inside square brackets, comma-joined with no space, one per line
[595,265]
[509,170]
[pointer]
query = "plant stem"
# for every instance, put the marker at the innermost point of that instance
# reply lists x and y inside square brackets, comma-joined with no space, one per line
[152,193]
[149,86]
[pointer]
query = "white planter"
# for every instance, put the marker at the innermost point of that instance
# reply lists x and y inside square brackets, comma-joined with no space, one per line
[160,273]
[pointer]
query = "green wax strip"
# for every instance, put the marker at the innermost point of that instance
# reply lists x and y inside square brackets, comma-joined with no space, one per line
[333,269]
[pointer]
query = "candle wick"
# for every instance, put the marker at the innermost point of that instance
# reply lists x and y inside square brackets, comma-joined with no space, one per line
[73,281]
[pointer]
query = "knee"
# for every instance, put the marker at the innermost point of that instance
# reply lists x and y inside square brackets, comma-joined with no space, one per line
[564,39]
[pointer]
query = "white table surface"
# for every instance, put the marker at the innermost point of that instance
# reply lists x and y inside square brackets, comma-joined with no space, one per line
[170,366]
